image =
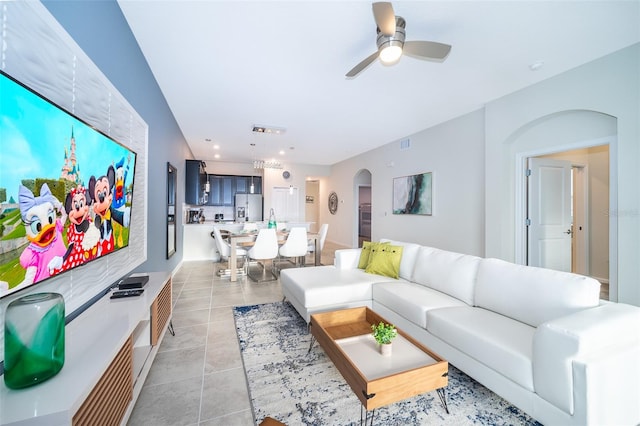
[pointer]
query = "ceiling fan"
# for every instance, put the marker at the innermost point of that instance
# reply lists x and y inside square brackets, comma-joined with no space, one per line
[391,44]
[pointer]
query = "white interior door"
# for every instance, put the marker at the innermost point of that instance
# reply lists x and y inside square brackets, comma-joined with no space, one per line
[286,204]
[549,213]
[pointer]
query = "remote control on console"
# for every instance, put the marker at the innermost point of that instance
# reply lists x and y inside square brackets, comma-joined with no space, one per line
[127,293]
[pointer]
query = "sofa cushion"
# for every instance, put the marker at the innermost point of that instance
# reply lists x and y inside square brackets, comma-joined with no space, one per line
[499,342]
[448,272]
[411,300]
[365,254]
[532,295]
[409,254]
[385,260]
[327,285]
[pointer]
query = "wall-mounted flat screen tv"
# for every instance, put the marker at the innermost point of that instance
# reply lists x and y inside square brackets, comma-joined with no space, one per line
[65,189]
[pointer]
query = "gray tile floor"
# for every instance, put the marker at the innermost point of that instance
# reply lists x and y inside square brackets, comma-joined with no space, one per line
[197,376]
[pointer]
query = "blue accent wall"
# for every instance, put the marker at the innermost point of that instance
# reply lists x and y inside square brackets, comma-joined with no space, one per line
[101,30]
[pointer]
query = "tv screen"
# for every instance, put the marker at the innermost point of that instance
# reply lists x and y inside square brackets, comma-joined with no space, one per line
[65,189]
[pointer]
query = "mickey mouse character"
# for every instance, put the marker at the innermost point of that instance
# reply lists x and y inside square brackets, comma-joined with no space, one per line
[80,233]
[101,192]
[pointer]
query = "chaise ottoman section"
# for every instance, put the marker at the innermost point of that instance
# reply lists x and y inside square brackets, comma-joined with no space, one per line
[309,289]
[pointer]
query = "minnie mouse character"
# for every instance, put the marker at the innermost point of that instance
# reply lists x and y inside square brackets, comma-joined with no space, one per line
[80,234]
[101,192]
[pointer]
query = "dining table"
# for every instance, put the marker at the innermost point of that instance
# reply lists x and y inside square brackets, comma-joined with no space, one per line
[247,239]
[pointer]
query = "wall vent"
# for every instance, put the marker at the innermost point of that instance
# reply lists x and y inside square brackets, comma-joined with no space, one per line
[405,144]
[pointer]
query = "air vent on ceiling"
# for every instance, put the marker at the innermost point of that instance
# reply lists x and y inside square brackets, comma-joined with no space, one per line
[258,128]
[405,144]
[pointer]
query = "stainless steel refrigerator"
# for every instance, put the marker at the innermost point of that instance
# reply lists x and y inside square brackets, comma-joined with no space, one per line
[248,208]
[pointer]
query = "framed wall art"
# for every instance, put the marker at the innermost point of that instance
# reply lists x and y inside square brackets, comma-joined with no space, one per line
[413,194]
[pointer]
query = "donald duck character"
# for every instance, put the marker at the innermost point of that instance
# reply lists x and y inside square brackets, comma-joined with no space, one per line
[46,251]
[119,195]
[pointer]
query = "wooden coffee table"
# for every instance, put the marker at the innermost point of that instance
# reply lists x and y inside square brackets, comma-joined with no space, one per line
[377,380]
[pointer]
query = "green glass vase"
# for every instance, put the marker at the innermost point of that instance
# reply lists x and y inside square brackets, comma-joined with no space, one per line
[33,339]
[272,220]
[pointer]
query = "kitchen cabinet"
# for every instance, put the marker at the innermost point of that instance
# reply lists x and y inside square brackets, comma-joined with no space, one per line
[224,187]
[221,190]
[195,180]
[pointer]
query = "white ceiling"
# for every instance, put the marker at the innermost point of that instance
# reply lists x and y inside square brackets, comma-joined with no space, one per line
[224,66]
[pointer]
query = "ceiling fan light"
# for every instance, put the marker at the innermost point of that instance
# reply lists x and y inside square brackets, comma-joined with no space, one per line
[390,54]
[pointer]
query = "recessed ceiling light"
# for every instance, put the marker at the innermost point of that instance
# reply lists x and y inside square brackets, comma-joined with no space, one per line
[216,147]
[281,152]
[216,156]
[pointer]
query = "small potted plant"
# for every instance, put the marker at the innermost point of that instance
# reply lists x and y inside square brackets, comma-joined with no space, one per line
[384,334]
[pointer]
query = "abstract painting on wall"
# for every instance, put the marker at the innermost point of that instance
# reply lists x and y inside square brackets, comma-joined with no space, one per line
[413,194]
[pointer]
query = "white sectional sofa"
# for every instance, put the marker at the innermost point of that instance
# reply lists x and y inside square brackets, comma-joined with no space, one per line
[541,339]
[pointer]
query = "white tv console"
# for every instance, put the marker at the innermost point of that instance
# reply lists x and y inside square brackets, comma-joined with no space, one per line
[109,349]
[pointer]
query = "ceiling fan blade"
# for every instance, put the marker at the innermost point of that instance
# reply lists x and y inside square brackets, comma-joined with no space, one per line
[362,65]
[426,50]
[385,17]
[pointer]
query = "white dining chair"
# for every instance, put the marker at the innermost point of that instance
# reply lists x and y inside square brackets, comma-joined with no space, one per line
[295,246]
[322,236]
[224,248]
[265,248]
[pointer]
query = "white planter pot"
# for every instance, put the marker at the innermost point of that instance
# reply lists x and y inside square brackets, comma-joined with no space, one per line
[386,349]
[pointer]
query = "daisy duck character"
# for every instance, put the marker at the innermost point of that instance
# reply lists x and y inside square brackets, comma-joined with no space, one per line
[81,234]
[119,195]
[101,192]
[46,252]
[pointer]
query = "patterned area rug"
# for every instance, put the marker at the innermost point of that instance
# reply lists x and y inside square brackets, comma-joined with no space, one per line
[300,388]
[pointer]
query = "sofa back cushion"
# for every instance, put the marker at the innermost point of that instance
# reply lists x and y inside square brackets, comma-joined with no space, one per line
[532,295]
[409,253]
[448,272]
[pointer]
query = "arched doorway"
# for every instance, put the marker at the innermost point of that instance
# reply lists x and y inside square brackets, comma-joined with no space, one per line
[583,140]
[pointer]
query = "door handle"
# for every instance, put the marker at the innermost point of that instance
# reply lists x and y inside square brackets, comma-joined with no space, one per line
[568,231]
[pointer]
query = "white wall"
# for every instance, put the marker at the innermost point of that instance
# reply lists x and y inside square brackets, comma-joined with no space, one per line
[454,152]
[608,86]
[473,158]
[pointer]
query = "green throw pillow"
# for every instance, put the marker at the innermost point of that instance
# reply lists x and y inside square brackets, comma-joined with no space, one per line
[365,254]
[385,260]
